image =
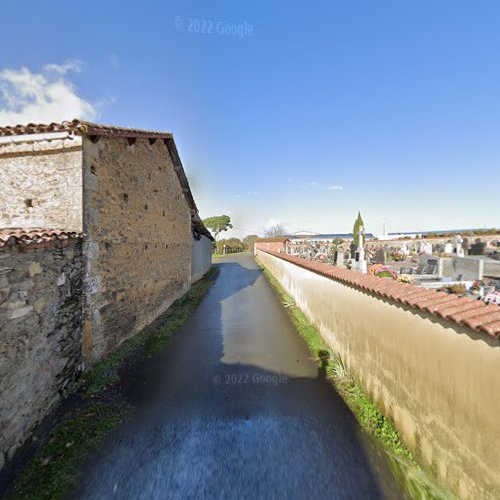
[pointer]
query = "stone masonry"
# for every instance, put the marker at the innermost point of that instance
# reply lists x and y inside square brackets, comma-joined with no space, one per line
[40,333]
[138,239]
[41,182]
[68,298]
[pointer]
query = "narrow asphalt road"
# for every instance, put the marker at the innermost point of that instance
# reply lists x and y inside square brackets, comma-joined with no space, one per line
[234,408]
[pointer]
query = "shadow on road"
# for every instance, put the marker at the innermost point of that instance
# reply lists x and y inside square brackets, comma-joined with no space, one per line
[235,408]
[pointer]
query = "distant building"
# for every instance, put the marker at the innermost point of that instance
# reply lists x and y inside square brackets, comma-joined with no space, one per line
[309,236]
[277,244]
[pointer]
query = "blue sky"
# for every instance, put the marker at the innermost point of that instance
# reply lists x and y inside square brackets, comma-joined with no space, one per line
[315,112]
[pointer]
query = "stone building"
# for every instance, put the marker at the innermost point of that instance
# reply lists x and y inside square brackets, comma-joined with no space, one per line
[125,191]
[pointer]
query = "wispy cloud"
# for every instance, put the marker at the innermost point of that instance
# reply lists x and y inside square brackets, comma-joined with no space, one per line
[46,96]
[115,62]
[249,193]
[325,187]
[70,66]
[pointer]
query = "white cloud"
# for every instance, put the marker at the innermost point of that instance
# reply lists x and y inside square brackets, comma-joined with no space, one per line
[44,97]
[70,66]
[325,187]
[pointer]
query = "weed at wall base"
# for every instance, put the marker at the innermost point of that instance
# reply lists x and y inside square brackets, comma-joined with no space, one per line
[55,467]
[416,483]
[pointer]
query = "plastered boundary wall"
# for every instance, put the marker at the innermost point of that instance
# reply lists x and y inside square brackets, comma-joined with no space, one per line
[201,258]
[437,381]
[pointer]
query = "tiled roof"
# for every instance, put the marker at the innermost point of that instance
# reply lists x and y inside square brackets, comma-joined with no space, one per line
[90,129]
[82,127]
[474,314]
[278,239]
[36,238]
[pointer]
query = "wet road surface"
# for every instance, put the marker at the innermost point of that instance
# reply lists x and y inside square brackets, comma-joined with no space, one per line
[234,408]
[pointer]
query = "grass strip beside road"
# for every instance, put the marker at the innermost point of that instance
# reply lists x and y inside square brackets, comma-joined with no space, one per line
[101,407]
[415,482]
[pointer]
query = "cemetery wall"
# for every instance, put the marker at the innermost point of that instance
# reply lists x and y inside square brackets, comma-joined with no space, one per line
[270,244]
[433,378]
[40,333]
[138,239]
[41,182]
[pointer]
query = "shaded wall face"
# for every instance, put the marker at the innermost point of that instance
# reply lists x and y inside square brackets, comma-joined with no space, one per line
[41,184]
[40,335]
[138,239]
[201,257]
[435,380]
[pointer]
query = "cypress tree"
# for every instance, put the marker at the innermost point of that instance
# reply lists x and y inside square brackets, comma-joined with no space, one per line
[357,224]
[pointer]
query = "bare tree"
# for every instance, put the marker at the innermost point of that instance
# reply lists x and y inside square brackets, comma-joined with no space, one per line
[275,231]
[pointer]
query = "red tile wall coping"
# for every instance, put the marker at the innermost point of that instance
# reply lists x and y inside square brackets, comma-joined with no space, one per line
[37,238]
[475,314]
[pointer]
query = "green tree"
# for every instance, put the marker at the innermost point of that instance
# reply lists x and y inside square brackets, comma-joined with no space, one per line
[218,224]
[249,240]
[357,224]
[234,243]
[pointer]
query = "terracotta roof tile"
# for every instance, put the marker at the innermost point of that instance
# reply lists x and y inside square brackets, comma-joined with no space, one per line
[278,239]
[461,305]
[474,314]
[34,238]
[486,313]
[448,299]
[492,328]
[82,127]
[79,127]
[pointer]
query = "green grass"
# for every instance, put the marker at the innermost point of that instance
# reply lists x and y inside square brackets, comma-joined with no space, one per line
[217,255]
[54,469]
[152,339]
[417,483]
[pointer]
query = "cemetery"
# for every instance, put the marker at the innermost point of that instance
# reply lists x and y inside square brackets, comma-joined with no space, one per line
[462,265]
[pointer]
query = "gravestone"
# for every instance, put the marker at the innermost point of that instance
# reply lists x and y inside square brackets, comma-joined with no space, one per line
[458,246]
[380,256]
[477,248]
[465,246]
[358,263]
[425,247]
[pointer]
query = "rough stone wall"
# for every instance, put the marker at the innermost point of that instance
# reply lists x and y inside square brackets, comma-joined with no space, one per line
[41,183]
[201,257]
[434,379]
[40,334]
[138,239]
